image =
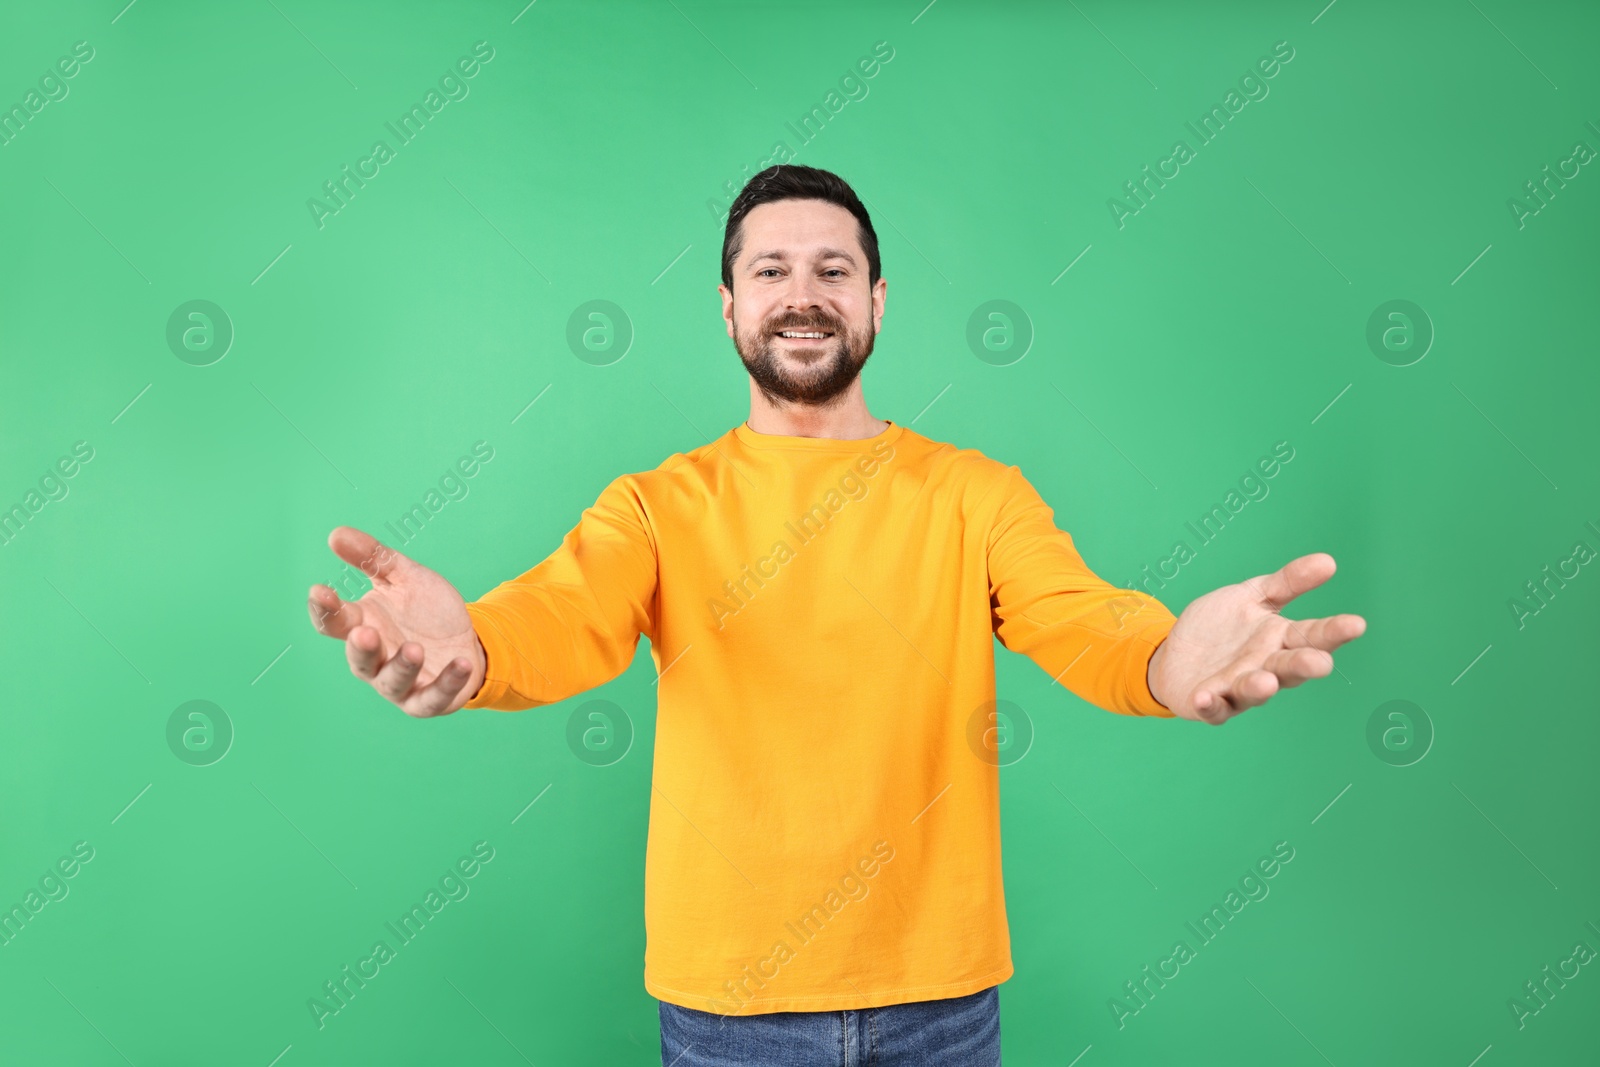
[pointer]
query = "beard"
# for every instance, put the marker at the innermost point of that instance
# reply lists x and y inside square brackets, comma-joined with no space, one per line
[813,375]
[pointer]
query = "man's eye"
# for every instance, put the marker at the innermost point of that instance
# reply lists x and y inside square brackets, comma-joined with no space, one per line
[773,270]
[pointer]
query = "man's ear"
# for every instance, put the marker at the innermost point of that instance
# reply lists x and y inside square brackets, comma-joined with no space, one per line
[727,307]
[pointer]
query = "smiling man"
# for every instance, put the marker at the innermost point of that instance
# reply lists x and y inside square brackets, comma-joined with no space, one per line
[821,589]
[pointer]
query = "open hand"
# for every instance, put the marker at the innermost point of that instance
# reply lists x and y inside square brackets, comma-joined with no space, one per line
[1231,649]
[409,635]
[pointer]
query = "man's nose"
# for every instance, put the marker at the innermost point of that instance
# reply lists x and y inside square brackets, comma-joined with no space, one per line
[801,294]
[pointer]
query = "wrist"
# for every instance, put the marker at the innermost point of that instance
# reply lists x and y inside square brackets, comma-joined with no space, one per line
[1152,672]
[479,674]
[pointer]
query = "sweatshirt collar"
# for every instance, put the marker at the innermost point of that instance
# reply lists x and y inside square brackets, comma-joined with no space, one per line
[751,439]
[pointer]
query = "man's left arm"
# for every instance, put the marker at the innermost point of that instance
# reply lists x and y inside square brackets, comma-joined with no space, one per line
[1230,650]
[1093,637]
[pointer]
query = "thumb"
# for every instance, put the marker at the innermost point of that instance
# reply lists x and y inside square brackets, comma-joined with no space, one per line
[1299,575]
[377,560]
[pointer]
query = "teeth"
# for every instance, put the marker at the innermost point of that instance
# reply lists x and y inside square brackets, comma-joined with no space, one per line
[791,333]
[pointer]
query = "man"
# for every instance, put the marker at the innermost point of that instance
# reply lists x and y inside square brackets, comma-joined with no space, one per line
[821,589]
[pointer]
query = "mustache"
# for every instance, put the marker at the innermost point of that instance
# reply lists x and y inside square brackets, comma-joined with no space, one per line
[825,325]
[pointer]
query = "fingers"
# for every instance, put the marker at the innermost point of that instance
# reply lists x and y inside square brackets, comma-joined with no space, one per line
[1219,698]
[331,615]
[1293,578]
[397,675]
[1306,653]
[1208,707]
[439,696]
[1296,666]
[377,560]
[1327,634]
[363,649]
[1217,702]
[395,678]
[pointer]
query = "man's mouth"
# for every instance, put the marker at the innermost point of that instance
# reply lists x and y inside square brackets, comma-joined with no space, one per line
[805,336]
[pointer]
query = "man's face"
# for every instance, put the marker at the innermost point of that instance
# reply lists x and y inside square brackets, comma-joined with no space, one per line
[801,270]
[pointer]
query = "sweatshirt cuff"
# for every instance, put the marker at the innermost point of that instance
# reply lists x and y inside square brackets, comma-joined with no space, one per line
[493,689]
[1139,684]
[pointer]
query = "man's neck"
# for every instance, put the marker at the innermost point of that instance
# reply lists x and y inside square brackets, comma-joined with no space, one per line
[846,420]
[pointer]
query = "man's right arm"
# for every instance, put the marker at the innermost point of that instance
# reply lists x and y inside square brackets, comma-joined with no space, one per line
[573,621]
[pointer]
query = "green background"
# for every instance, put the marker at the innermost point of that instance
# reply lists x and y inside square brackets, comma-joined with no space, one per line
[588,162]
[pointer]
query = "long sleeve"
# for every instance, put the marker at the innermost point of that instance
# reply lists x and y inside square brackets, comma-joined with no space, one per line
[573,621]
[1095,638]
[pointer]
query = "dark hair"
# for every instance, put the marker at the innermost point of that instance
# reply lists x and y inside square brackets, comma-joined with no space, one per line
[791,181]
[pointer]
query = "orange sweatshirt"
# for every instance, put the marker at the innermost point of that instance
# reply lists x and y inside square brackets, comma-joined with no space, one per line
[825,814]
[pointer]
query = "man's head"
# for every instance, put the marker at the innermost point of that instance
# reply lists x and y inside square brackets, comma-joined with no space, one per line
[800,255]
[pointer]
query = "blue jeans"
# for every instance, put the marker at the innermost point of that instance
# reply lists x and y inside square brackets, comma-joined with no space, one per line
[958,1032]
